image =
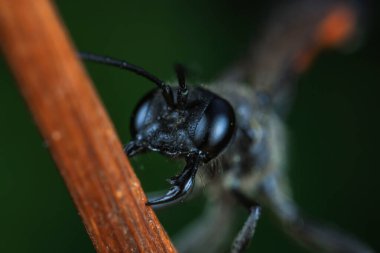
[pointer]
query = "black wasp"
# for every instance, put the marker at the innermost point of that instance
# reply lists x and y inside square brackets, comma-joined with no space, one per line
[232,133]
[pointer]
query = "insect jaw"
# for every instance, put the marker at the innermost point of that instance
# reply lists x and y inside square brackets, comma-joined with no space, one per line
[133,148]
[182,184]
[177,192]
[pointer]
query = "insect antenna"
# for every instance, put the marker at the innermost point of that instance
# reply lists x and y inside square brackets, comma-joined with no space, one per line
[182,91]
[166,90]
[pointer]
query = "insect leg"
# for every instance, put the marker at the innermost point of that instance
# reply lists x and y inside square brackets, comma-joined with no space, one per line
[311,234]
[245,235]
[209,232]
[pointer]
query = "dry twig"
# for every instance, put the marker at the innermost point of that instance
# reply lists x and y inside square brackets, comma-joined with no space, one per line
[77,129]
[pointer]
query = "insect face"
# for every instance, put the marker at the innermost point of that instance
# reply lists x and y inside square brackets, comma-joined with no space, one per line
[204,125]
[196,130]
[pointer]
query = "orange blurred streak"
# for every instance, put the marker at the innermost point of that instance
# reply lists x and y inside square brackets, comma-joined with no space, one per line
[338,26]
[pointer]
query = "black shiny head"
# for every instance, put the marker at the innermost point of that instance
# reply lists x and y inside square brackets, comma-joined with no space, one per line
[203,126]
[190,123]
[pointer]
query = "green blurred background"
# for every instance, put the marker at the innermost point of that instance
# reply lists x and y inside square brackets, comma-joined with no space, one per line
[334,124]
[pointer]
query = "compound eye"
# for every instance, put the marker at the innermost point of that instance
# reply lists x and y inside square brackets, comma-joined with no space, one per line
[143,113]
[215,128]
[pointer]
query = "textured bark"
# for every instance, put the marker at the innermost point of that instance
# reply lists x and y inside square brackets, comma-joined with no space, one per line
[77,130]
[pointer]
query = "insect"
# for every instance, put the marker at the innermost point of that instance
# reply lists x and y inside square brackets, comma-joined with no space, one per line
[232,133]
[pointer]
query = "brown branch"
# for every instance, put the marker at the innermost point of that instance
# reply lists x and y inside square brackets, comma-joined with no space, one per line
[77,129]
